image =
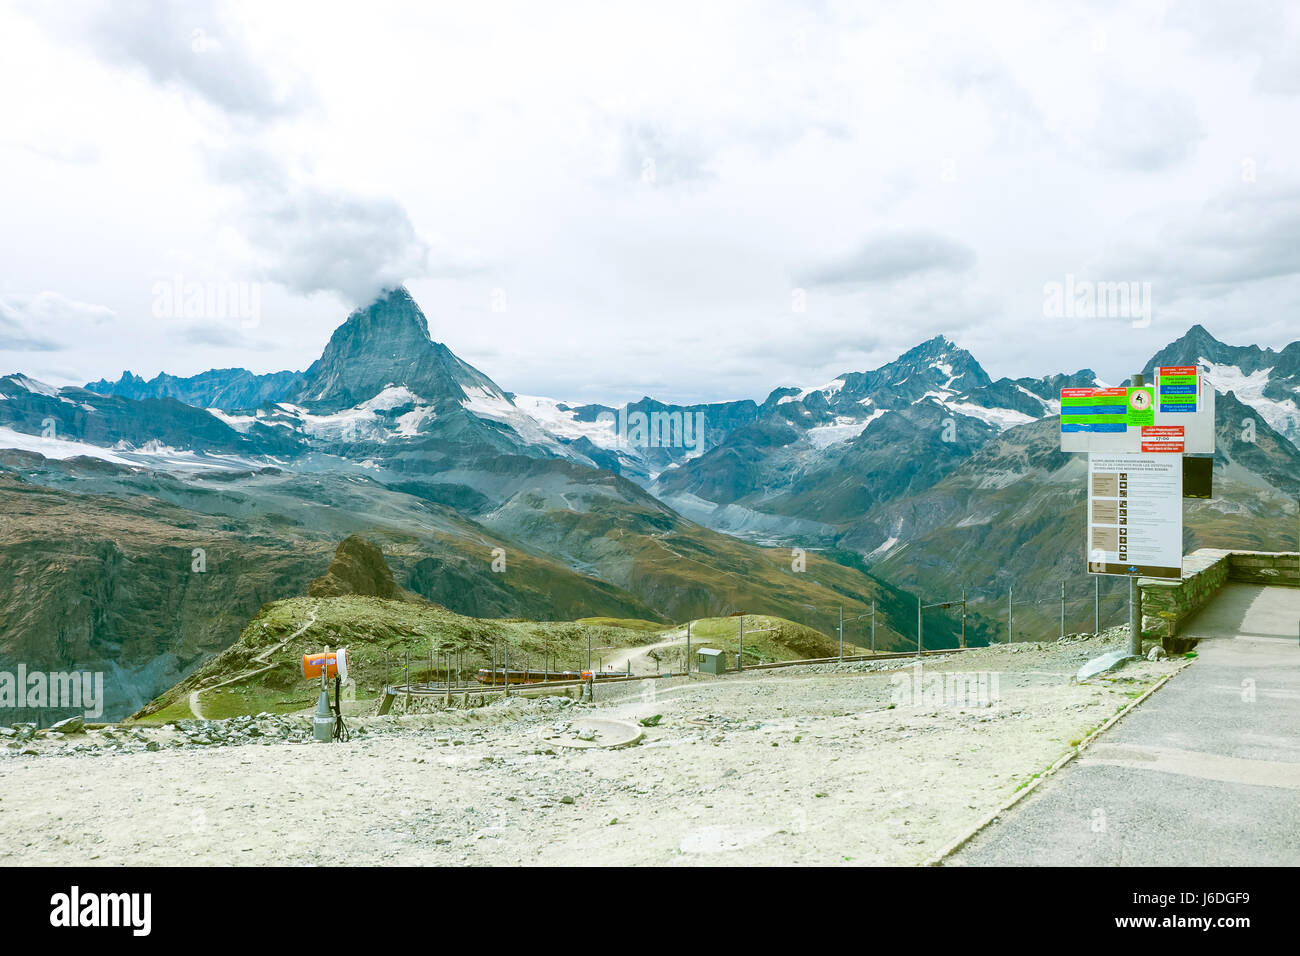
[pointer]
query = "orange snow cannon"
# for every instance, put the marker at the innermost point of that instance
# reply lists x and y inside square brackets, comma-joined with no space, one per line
[334,663]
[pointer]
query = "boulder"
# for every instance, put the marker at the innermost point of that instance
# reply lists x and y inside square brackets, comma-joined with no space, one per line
[69,725]
[1104,664]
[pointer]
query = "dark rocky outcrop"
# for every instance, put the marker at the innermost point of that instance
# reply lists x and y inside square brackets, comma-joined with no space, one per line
[358,568]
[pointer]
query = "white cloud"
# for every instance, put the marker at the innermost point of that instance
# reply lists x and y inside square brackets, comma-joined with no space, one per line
[41,322]
[917,168]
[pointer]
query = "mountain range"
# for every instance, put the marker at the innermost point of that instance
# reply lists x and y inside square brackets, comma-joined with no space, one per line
[924,474]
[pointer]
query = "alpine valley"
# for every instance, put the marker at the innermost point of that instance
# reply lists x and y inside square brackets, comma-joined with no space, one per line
[145,523]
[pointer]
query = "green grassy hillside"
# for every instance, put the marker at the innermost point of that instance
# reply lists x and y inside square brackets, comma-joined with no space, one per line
[379,634]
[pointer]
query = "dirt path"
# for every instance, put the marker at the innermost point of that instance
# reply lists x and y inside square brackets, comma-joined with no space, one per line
[798,766]
[636,655]
[195,706]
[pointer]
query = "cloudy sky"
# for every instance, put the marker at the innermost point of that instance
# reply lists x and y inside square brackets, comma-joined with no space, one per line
[599,201]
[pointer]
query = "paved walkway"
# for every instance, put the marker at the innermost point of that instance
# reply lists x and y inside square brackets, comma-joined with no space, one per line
[1205,772]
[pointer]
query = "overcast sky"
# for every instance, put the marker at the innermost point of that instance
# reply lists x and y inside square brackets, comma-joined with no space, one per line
[597,201]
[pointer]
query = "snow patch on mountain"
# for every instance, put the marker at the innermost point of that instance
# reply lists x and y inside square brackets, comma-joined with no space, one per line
[1282,415]
[1002,418]
[409,424]
[844,429]
[360,422]
[32,385]
[1051,406]
[153,454]
[495,406]
[561,421]
[829,390]
[240,423]
[56,448]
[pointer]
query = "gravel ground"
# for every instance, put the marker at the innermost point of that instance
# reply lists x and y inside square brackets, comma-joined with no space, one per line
[805,765]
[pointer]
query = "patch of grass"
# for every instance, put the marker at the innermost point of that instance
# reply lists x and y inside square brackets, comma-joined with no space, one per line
[767,638]
[628,623]
[1025,783]
[177,710]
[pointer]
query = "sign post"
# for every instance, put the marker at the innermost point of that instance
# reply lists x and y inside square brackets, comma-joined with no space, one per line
[1136,437]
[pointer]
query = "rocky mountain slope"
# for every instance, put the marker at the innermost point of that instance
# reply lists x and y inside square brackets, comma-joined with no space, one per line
[1265,380]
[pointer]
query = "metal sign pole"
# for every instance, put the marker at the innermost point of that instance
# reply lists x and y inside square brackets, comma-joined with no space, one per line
[1134,624]
[1134,599]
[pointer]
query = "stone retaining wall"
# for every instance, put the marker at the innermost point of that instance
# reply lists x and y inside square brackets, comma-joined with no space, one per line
[1264,567]
[1167,605]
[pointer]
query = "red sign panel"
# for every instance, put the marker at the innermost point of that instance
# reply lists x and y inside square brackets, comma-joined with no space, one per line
[1160,438]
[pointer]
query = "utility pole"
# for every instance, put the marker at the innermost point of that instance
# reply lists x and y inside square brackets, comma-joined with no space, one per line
[963,617]
[841,633]
[505,656]
[588,650]
[873,625]
[1010,592]
[688,648]
[740,639]
[918,626]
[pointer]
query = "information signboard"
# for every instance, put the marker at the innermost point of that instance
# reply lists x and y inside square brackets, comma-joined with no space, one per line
[1135,514]
[1174,415]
